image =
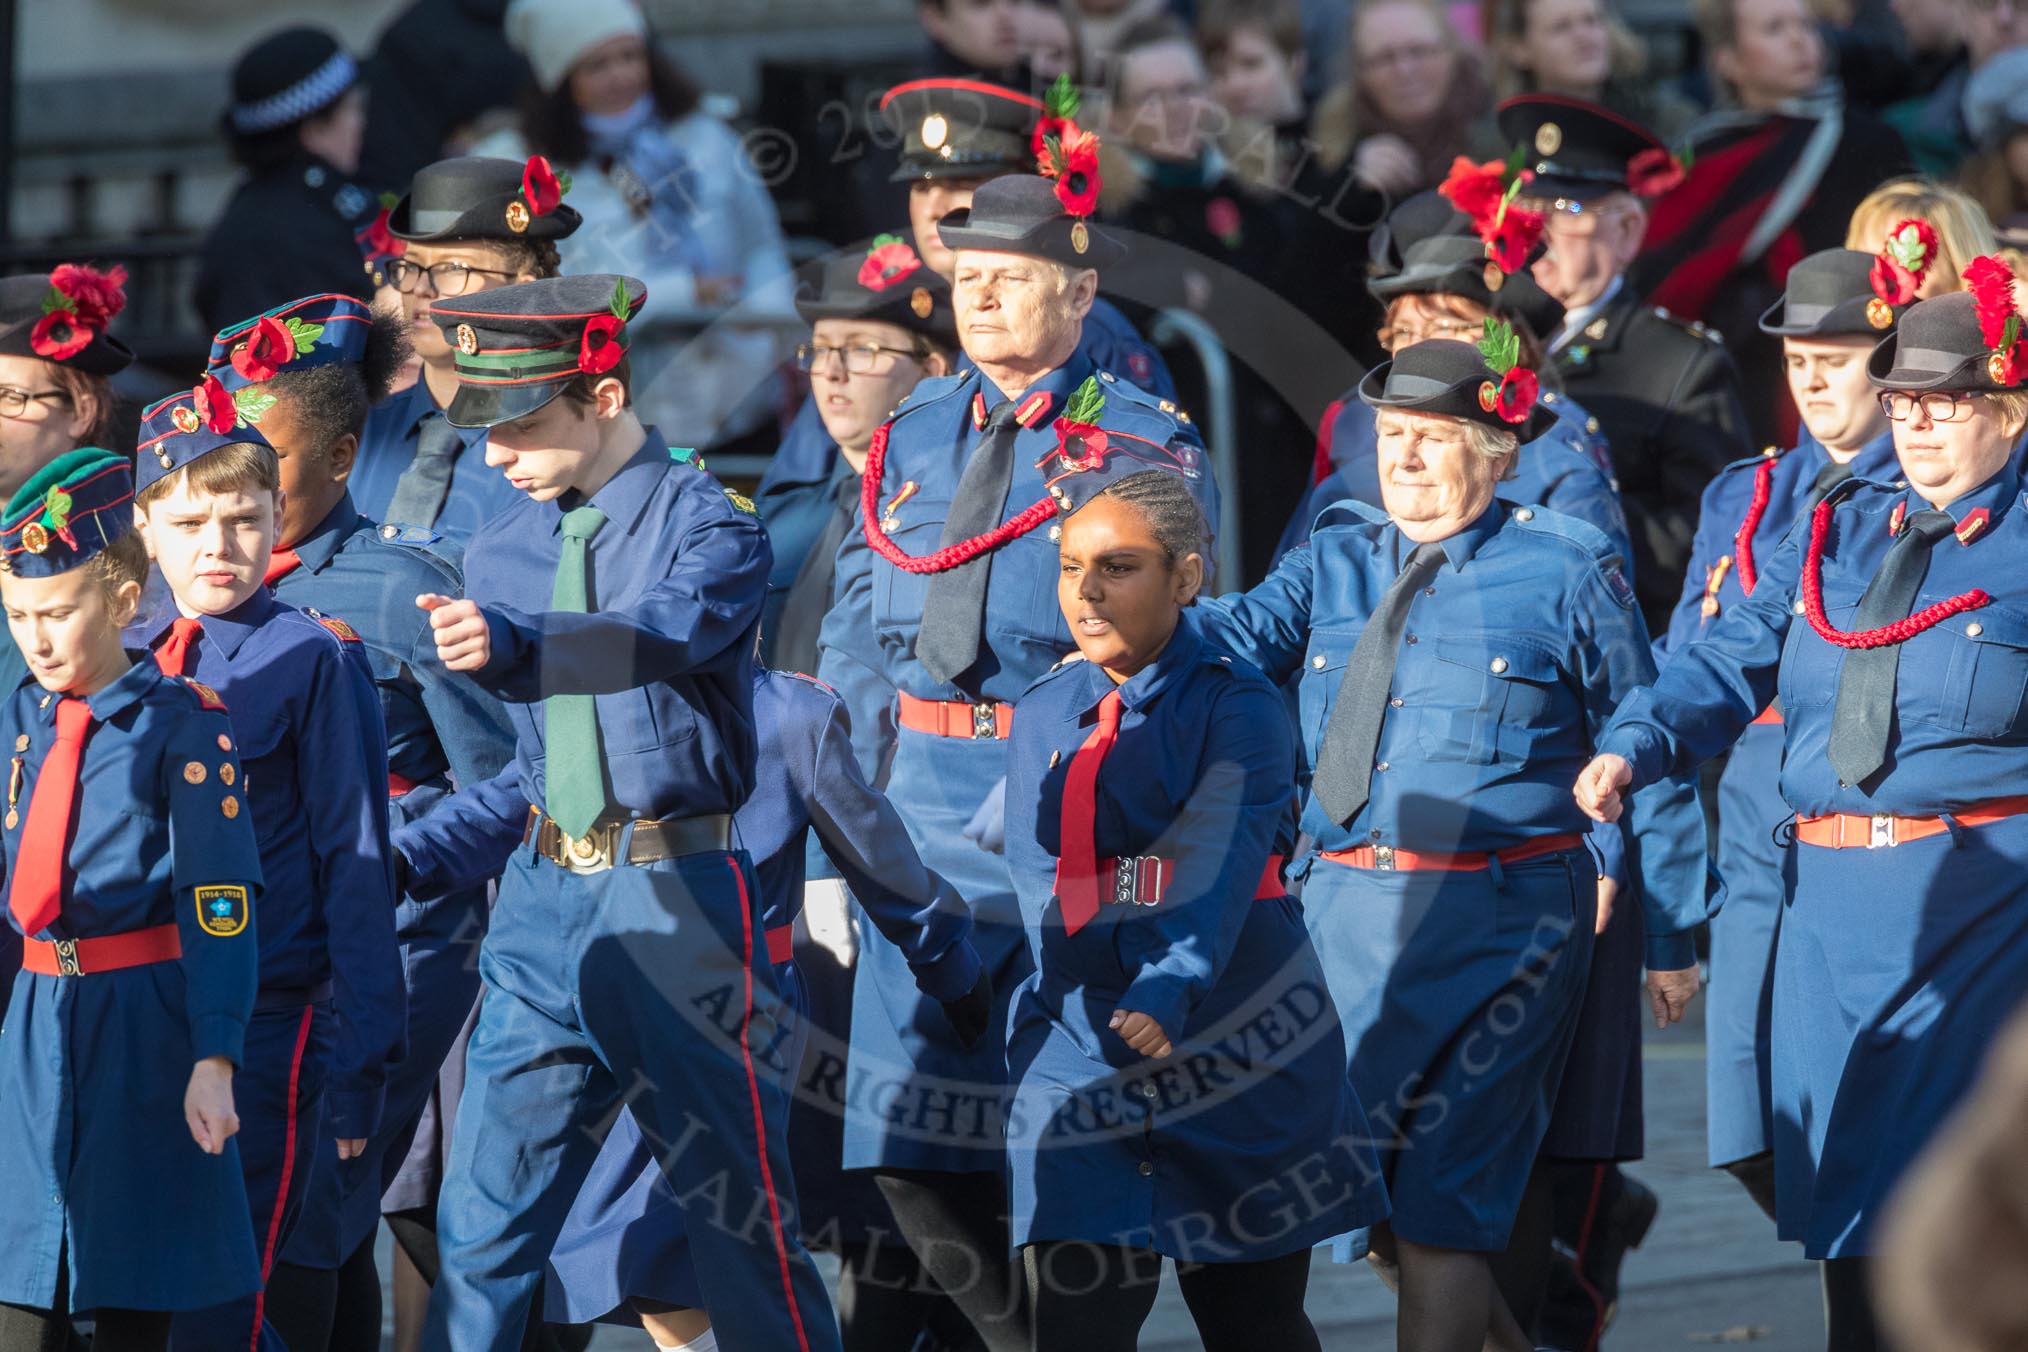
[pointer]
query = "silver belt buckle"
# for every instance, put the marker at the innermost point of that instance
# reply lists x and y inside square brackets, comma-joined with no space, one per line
[66,958]
[589,853]
[1881,832]
[985,727]
[1128,876]
[1383,857]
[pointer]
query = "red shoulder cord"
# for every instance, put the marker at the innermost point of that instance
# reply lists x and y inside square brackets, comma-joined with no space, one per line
[950,556]
[1900,631]
[1742,543]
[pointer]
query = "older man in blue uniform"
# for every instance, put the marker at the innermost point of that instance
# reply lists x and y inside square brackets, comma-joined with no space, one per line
[626,964]
[946,611]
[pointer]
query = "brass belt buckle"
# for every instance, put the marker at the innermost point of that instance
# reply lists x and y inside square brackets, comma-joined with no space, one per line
[591,852]
[1383,857]
[1881,832]
[984,725]
[66,958]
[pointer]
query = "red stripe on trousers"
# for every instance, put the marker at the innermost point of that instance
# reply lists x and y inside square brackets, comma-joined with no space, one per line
[760,1134]
[288,1168]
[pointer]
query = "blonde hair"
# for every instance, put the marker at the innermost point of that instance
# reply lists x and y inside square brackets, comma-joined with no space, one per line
[124,560]
[2011,405]
[1963,230]
[1334,127]
[241,466]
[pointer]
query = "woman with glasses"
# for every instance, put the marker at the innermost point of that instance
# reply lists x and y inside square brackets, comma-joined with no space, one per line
[1892,621]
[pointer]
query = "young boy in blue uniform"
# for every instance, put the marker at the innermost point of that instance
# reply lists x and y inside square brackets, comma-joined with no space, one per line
[131,869]
[614,609]
[325,360]
[330,1016]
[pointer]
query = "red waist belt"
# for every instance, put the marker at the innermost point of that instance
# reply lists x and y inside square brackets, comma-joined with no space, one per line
[1839,831]
[107,953]
[986,720]
[781,944]
[1469,861]
[399,786]
[1143,879]
[1771,714]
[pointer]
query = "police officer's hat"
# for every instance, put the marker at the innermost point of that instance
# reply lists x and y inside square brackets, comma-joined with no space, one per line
[1579,151]
[183,427]
[1452,380]
[68,512]
[1830,294]
[1957,341]
[479,197]
[286,77]
[516,347]
[890,284]
[1428,247]
[314,331]
[960,129]
[62,317]
[1020,213]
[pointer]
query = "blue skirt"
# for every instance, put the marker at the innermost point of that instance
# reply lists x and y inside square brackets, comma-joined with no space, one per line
[1736,1003]
[1459,994]
[1598,1101]
[1894,971]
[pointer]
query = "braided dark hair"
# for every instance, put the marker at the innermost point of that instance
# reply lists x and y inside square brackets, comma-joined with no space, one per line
[1164,502]
[333,399]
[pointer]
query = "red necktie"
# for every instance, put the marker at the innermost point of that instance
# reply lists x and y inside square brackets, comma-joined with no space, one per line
[280,564]
[174,653]
[1079,852]
[37,896]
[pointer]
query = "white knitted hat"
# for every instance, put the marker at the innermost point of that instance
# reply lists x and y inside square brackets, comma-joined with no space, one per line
[555,34]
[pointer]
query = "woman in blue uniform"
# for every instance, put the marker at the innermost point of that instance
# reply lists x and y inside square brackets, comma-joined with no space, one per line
[1162,937]
[1828,319]
[1893,623]
[1457,655]
[131,871]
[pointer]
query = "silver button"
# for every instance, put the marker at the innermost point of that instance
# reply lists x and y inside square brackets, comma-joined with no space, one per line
[1108,377]
[1499,665]
[1381,766]
[1147,1089]
[1974,629]
[1411,638]
[1318,661]
[1056,532]
[1394,703]
[1147,1169]
[1591,425]
[1525,514]
[1799,607]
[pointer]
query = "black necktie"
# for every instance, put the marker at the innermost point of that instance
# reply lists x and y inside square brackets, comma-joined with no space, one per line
[420,492]
[954,608]
[1828,478]
[1345,760]
[795,641]
[1865,710]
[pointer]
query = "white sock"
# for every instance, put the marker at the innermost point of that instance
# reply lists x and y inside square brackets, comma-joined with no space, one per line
[706,1341]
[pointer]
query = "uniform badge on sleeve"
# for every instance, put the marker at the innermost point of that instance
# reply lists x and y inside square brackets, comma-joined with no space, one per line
[222,910]
[1616,583]
[206,696]
[340,628]
[740,501]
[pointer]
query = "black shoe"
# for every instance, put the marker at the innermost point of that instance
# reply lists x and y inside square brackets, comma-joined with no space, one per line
[1583,1291]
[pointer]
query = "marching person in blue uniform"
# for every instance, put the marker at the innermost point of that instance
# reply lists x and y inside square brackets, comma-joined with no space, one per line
[625,960]
[946,611]
[1147,821]
[1829,320]
[330,1017]
[324,360]
[1432,275]
[1457,655]
[467,225]
[624,1248]
[133,875]
[1893,623]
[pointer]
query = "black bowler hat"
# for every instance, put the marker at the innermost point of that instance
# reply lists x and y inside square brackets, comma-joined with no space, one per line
[286,77]
[62,317]
[960,129]
[1830,295]
[1941,345]
[1452,380]
[1579,151]
[516,347]
[1427,247]
[888,284]
[478,197]
[1020,213]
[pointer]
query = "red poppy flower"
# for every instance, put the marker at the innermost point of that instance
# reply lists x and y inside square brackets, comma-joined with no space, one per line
[601,349]
[1516,399]
[1892,282]
[1086,439]
[97,297]
[59,336]
[887,265]
[1475,189]
[540,187]
[1077,187]
[1991,283]
[214,404]
[1047,126]
[380,241]
[1511,241]
[267,348]
[1221,218]
[1653,172]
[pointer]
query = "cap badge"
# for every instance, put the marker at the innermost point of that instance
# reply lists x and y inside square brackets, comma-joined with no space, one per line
[468,341]
[1080,238]
[517,216]
[935,131]
[1548,139]
[186,420]
[1879,313]
[919,301]
[1492,276]
[1489,395]
[34,537]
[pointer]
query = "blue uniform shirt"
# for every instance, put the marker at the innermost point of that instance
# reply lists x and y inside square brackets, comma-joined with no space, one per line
[310,739]
[477,494]
[1511,662]
[1960,720]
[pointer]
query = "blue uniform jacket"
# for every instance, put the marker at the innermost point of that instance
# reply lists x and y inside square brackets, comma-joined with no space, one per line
[1960,720]
[1511,662]
[309,734]
[477,495]
[1568,469]
[678,573]
[93,1069]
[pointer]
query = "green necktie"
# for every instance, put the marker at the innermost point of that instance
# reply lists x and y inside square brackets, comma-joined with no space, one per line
[575,782]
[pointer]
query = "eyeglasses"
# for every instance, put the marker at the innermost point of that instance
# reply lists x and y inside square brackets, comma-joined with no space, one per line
[446,279]
[1396,336]
[1938,406]
[862,359]
[1412,54]
[15,402]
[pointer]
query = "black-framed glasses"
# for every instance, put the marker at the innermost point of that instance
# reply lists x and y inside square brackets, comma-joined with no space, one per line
[861,359]
[446,279]
[1938,406]
[14,402]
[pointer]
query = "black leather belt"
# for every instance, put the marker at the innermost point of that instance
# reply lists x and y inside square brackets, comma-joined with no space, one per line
[648,842]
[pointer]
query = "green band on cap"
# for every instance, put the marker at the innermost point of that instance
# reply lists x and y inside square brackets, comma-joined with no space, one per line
[81,463]
[492,366]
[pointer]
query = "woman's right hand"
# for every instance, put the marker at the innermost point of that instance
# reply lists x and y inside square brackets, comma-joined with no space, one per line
[1141,1033]
[1600,788]
[1385,161]
[207,1105]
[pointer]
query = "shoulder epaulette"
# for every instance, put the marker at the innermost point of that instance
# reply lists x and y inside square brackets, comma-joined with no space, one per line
[337,626]
[206,696]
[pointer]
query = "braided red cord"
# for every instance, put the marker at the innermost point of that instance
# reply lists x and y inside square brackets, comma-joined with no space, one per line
[1742,543]
[950,556]
[1900,631]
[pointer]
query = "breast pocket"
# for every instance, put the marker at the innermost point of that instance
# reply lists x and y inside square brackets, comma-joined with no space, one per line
[1323,672]
[897,593]
[1987,675]
[1486,698]
[1810,663]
